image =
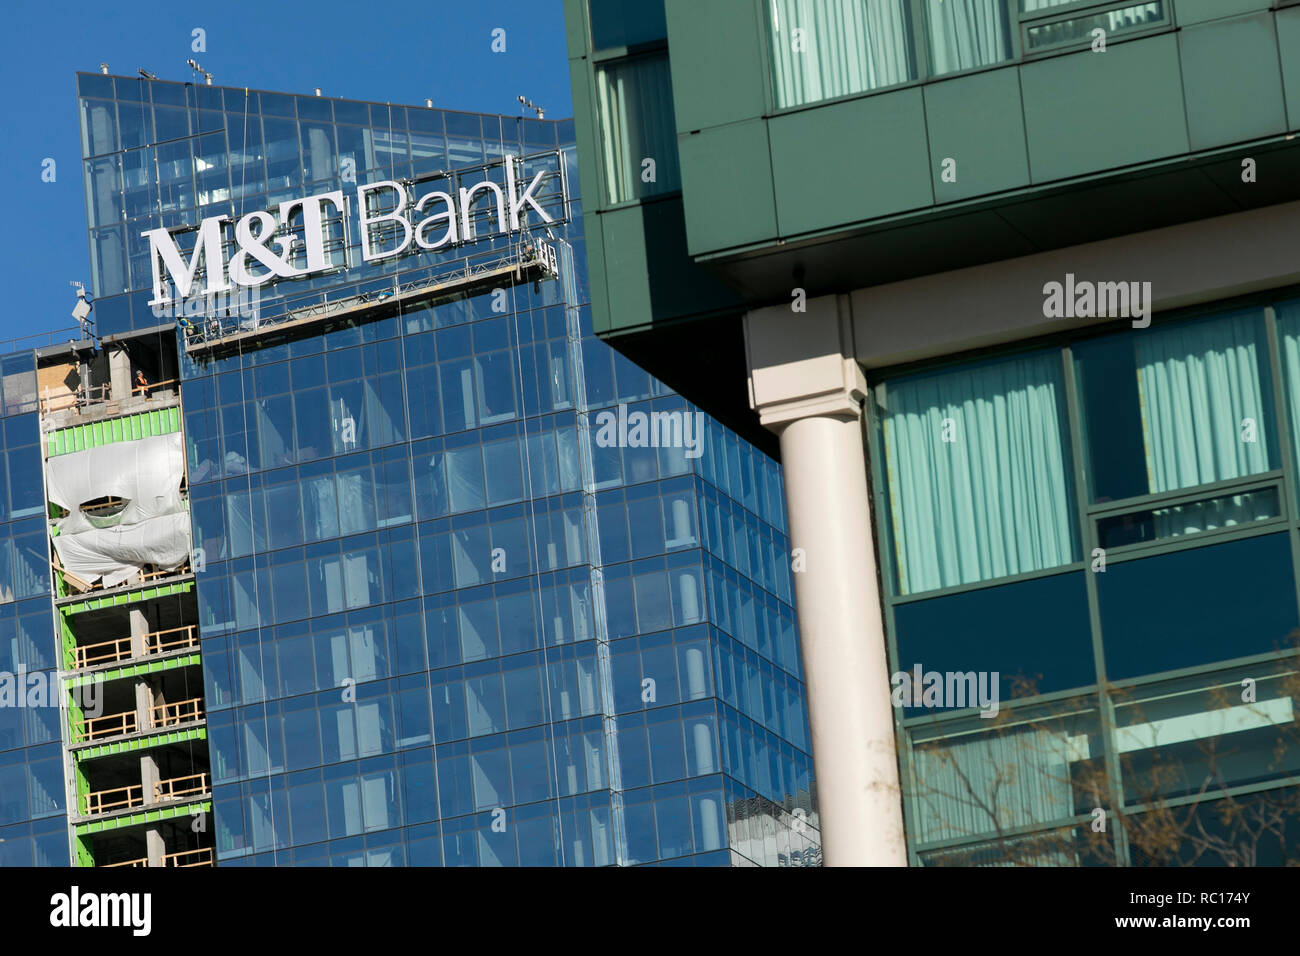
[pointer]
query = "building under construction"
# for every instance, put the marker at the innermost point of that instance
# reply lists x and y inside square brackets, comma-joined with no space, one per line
[339,573]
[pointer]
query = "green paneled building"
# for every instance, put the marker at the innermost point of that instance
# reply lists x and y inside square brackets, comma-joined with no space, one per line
[1012,289]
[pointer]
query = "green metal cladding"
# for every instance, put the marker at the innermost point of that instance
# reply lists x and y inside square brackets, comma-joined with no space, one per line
[1215,80]
[1221,75]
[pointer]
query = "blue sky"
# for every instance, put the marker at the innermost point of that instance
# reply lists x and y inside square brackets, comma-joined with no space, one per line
[404,52]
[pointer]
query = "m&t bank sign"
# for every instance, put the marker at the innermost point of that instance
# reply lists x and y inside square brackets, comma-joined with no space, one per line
[435,220]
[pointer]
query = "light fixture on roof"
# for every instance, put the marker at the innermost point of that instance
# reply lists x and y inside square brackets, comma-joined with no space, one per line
[316,90]
[103,68]
[428,103]
[530,105]
[193,65]
[147,75]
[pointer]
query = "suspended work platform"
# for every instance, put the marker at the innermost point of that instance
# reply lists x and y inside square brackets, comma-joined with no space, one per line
[523,262]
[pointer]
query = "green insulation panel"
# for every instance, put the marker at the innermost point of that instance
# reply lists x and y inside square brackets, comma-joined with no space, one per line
[141,743]
[143,817]
[84,856]
[76,438]
[126,597]
[136,670]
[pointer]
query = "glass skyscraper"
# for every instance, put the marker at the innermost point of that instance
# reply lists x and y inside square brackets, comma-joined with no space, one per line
[431,613]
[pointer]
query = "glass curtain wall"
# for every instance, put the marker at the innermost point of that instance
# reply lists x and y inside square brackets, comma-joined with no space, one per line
[33,821]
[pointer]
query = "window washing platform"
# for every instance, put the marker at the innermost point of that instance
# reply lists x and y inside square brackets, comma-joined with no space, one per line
[521,265]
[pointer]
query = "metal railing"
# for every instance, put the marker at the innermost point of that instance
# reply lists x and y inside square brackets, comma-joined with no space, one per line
[178,788]
[524,253]
[156,386]
[181,858]
[166,715]
[39,340]
[88,656]
[188,858]
[112,725]
[81,398]
[87,399]
[119,649]
[154,643]
[144,577]
[108,504]
[113,799]
[116,798]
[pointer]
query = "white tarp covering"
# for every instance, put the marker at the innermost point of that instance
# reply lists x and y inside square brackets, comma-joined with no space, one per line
[116,554]
[153,527]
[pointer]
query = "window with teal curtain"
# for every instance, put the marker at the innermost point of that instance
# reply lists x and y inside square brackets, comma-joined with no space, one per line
[634,101]
[822,49]
[978,475]
[1176,406]
[965,34]
[1204,412]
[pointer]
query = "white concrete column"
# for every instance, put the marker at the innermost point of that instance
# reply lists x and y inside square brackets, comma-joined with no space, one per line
[140,628]
[155,847]
[149,777]
[808,388]
[144,704]
[119,372]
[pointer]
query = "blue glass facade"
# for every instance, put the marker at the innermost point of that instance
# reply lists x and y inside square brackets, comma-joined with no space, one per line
[33,821]
[441,621]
